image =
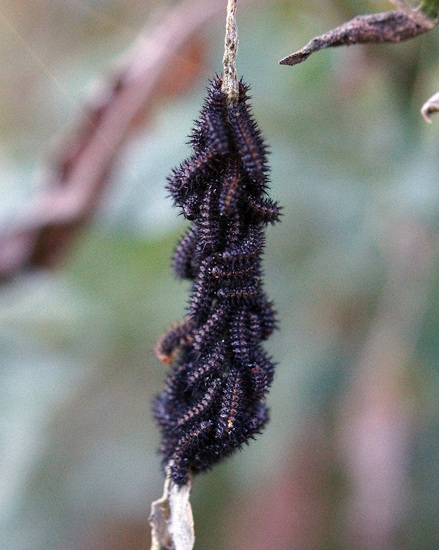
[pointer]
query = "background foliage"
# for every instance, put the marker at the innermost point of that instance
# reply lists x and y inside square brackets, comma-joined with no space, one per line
[349,459]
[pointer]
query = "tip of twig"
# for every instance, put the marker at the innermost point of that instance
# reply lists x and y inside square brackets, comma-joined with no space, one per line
[294,59]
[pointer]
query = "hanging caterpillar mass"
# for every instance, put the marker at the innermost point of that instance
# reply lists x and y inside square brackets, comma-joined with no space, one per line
[214,397]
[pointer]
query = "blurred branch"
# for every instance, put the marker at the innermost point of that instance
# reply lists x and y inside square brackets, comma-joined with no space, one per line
[83,159]
[376,425]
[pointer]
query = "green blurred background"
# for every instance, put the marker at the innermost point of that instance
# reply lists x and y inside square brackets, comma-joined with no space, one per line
[349,459]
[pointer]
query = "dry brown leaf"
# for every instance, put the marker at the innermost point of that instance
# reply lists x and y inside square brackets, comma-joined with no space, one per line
[392,26]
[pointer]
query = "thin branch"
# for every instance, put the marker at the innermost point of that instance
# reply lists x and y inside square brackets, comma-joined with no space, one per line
[171,520]
[230,79]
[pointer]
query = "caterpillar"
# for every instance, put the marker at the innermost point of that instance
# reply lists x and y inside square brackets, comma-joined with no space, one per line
[214,400]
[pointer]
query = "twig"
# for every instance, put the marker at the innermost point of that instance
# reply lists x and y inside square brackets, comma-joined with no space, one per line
[172,523]
[230,79]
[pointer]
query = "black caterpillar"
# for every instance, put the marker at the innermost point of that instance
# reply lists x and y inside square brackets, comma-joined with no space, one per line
[213,401]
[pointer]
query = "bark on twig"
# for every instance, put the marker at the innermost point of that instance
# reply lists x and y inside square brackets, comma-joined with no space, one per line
[172,523]
[83,160]
[230,79]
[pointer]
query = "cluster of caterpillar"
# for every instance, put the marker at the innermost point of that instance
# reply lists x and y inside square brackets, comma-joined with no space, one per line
[214,397]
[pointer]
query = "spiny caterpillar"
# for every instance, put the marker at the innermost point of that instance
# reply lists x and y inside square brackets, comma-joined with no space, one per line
[214,397]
